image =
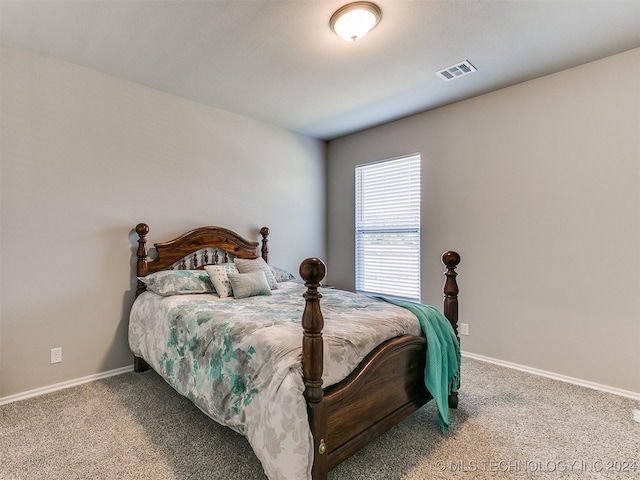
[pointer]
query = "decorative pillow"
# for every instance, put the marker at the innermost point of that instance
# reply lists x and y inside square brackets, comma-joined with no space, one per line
[246,266]
[178,282]
[218,276]
[282,275]
[249,284]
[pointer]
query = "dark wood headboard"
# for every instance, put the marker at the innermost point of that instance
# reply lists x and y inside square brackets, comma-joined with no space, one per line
[198,247]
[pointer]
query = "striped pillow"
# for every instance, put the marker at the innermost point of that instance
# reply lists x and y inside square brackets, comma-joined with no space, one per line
[246,266]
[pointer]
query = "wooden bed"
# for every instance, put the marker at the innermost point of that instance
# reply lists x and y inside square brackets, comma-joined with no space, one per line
[385,388]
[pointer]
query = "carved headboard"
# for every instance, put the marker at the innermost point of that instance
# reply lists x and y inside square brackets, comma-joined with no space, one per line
[195,249]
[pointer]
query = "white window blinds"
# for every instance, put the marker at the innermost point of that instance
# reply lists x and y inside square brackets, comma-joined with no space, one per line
[388,228]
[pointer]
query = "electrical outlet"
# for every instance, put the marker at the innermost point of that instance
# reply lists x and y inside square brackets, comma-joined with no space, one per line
[56,355]
[463,328]
[636,415]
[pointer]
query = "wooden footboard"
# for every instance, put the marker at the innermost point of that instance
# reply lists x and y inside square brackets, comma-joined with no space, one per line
[385,388]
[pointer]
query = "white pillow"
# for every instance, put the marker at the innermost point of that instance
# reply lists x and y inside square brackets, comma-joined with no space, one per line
[251,265]
[220,279]
[249,284]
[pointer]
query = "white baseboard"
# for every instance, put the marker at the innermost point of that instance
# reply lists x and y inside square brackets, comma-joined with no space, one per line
[63,385]
[554,376]
[482,358]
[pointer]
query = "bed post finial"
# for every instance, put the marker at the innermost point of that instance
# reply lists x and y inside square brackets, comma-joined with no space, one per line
[142,229]
[264,231]
[312,271]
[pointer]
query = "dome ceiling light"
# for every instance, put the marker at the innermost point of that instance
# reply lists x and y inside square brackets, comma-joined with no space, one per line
[354,20]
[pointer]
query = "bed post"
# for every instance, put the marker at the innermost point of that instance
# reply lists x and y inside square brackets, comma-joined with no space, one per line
[264,231]
[312,271]
[139,365]
[141,267]
[451,260]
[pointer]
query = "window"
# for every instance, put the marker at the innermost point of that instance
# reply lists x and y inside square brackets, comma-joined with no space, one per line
[388,228]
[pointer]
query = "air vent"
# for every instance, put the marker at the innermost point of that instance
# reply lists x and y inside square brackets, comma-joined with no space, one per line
[456,71]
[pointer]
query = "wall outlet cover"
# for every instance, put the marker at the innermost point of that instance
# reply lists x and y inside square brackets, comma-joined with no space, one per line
[56,355]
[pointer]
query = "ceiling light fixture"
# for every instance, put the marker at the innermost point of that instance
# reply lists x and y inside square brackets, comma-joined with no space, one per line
[355,20]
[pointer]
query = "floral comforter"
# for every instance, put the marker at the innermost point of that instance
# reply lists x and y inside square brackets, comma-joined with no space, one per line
[239,361]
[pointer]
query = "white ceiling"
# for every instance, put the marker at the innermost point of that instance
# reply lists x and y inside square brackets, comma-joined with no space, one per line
[279,62]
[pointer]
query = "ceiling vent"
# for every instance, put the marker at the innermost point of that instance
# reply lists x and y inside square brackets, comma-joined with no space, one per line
[456,71]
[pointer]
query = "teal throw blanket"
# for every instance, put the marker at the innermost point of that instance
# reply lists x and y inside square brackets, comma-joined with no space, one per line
[442,372]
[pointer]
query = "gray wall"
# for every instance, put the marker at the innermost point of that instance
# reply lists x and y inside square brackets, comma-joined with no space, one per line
[537,186]
[84,158]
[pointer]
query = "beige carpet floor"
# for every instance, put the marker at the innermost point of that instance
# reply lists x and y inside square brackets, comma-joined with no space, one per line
[509,425]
